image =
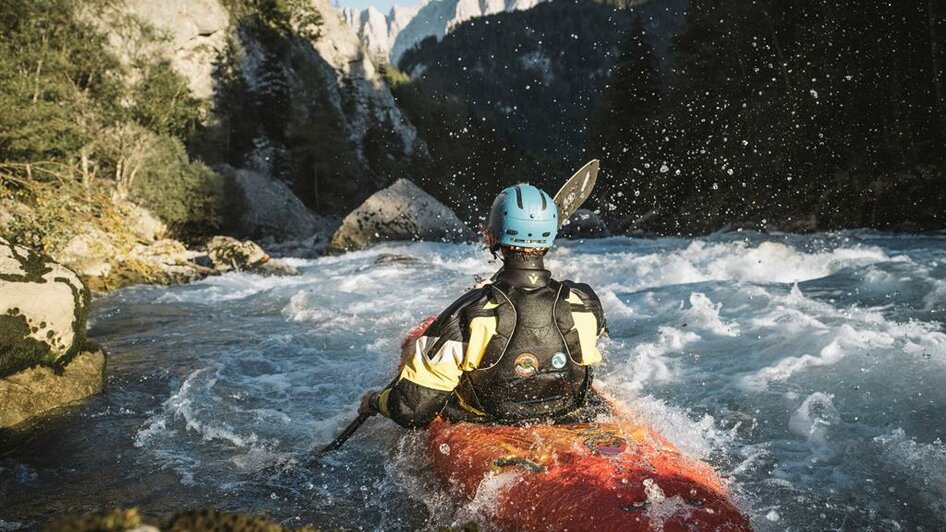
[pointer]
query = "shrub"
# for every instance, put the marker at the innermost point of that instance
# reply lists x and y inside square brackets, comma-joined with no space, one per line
[186,194]
[163,102]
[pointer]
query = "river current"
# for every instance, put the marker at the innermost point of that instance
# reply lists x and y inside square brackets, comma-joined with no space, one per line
[809,370]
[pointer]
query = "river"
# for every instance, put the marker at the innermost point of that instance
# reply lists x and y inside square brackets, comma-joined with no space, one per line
[809,370]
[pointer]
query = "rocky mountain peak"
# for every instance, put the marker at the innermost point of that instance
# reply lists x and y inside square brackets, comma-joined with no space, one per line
[404,26]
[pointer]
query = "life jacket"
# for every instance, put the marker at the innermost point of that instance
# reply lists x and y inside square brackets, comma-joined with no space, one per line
[531,368]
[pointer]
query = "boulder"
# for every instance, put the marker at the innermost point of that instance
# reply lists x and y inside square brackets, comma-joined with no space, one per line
[45,359]
[584,224]
[309,248]
[144,224]
[38,389]
[90,253]
[228,253]
[270,209]
[43,310]
[400,212]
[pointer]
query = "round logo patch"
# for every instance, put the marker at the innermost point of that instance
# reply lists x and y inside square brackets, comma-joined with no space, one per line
[606,443]
[559,360]
[526,365]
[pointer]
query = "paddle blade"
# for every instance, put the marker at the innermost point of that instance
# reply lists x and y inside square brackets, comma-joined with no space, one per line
[576,190]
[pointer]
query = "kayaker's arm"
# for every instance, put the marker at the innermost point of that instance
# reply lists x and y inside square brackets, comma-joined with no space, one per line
[433,371]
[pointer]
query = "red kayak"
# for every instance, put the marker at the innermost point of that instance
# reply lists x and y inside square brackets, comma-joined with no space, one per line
[618,475]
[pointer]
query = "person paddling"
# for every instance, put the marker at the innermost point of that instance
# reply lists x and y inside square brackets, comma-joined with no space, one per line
[517,350]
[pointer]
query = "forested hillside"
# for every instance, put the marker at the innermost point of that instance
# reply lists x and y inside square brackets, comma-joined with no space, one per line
[110,104]
[797,115]
[74,130]
[706,114]
[515,92]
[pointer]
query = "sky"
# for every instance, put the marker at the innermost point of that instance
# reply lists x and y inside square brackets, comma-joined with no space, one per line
[382,5]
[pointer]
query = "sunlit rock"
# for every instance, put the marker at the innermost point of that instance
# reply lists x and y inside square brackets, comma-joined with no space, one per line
[400,212]
[40,388]
[89,252]
[145,225]
[195,34]
[228,254]
[44,358]
[43,309]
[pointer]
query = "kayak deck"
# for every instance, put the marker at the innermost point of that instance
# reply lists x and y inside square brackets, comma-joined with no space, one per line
[619,475]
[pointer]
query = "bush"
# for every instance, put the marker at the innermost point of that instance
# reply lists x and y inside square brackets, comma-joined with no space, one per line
[186,194]
[163,102]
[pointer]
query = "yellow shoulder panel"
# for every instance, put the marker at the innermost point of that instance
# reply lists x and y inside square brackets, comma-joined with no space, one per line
[481,330]
[441,371]
[587,326]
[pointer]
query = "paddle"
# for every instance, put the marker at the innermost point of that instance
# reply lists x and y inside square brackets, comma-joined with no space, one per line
[350,429]
[575,191]
[406,351]
[568,198]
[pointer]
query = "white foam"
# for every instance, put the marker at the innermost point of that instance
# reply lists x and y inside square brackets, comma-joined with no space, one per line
[861,332]
[651,362]
[187,406]
[702,261]
[812,421]
[704,314]
[921,465]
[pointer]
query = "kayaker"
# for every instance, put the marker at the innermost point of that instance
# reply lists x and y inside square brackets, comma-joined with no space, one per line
[519,349]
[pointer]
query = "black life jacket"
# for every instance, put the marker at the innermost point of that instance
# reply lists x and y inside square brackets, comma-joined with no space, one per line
[531,368]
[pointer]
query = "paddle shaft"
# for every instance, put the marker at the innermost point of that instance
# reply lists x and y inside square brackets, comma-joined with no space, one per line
[343,437]
[351,428]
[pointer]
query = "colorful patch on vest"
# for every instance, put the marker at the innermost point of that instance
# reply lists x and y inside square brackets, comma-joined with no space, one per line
[559,360]
[607,444]
[527,365]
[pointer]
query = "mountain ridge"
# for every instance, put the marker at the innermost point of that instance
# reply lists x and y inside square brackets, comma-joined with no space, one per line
[388,36]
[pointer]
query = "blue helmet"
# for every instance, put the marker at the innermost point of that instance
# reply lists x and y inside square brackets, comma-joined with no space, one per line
[524,216]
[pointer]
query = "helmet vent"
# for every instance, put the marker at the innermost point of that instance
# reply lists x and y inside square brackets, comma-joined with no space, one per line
[512,232]
[547,233]
[544,204]
[519,197]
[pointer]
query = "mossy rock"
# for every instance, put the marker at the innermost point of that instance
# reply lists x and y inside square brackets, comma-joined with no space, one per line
[40,389]
[211,520]
[113,521]
[43,311]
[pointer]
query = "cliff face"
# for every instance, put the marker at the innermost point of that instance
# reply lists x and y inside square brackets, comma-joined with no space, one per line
[356,75]
[302,104]
[403,27]
[379,31]
[195,34]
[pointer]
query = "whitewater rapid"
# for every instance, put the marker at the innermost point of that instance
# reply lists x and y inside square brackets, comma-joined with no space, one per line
[809,370]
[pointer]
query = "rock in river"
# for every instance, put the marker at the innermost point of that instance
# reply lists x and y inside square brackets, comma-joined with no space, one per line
[228,253]
[45,359]
[584,224]
[400,212]
[271,209]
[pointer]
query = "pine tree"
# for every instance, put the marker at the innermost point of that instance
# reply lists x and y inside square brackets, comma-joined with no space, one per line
[622,130]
